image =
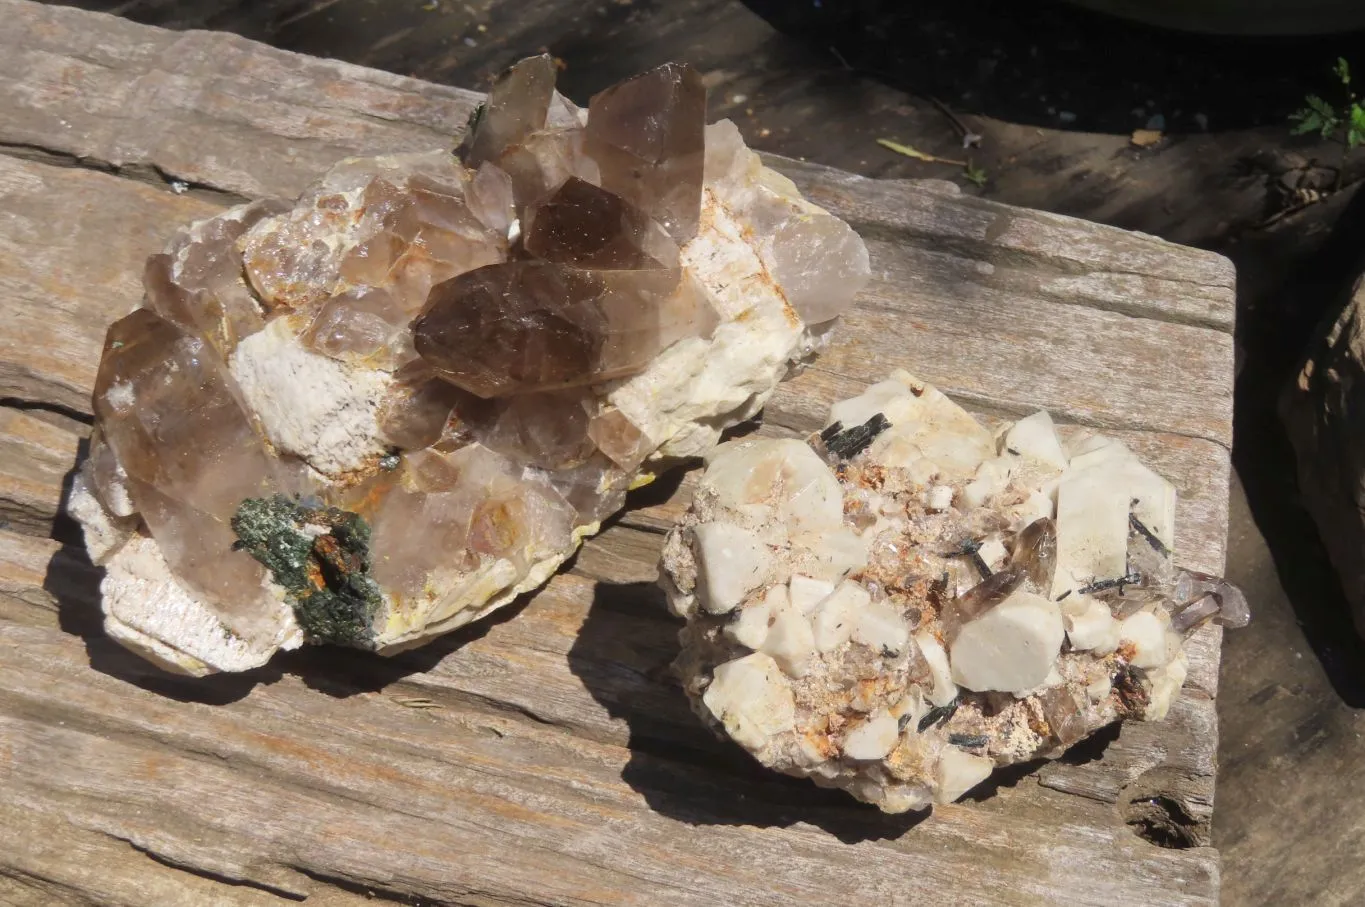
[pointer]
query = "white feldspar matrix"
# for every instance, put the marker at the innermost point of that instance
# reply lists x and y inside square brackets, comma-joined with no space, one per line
[909,600]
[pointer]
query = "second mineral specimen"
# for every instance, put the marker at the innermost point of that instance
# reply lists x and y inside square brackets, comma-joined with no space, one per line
[909,601]
[378,413]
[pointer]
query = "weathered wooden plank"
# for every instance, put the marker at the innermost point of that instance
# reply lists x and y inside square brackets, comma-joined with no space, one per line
[1013,354]
[35,458]
[103,89]
[1104,267]
[62,864]
[533,758]
[454,807]
[545,698]
[46,584]
[24,561]
[70,243]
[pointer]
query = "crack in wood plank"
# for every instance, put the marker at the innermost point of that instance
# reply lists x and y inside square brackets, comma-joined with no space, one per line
[148,174]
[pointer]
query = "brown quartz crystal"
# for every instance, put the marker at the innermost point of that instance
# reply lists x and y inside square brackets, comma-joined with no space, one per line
[517,107]
[646,135]
[376,413]
[598,292]
[167,409]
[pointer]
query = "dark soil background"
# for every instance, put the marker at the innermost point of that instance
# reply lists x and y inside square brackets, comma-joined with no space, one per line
[1055,94]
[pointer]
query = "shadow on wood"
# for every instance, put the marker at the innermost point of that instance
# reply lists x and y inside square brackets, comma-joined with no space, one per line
[1289,314]
[1046,64]
[679,766]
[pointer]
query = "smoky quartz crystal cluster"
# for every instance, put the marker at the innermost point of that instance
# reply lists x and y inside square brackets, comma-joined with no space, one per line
[907,601]
[374,414]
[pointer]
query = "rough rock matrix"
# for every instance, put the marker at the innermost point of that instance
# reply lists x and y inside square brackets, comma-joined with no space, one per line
[376,414]
[908,600]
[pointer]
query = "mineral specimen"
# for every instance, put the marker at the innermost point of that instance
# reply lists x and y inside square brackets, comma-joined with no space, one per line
[380,412]
[909,601]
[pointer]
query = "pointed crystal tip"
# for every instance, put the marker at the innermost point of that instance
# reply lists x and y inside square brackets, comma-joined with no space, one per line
[518,105]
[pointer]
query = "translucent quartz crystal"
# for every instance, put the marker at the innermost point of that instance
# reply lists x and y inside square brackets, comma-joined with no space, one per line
[548,430]
[898,605]
[404,223]
[541,164]
[595,489]
[818,259]
[167,409]
[619,438]
[197,282]
[526,326]
[454,508]
[646,135]
[418,407]
[517,106]
[379,412]
[531,135]
[588,227]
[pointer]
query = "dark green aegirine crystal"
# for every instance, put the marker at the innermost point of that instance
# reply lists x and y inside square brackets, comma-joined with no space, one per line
[326,575]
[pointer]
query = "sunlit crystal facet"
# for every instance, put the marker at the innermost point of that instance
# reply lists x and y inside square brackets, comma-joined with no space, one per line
[646,135]
[169,412]
[379,412]
[517,106]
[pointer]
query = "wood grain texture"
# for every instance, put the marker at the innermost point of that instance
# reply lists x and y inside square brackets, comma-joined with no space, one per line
[105,90]
[35,457]
[69,242]
[544,756]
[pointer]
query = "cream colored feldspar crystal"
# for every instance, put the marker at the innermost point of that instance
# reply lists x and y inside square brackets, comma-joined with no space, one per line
[377,413]
[908,600]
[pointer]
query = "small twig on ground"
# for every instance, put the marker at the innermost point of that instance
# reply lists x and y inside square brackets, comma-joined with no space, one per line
[911,151]
[1280,215]
[969,139]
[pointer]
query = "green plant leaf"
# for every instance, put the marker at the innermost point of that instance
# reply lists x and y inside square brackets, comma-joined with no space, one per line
[1319,105]
[1318,116]
[1355,133]
[975,174]
[1305,121]
[1343,71]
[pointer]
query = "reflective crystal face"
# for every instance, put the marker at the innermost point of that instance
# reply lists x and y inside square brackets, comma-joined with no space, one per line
[646,135]
[393,401]
[517,106]
[198,282]
[167,409]
[588,227]
[514,327]
[526,326]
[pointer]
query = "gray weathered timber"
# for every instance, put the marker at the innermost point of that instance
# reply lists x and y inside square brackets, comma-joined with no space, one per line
[544,756]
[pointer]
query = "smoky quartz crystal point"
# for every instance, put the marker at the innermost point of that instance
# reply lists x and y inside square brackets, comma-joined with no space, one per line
[376,413]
